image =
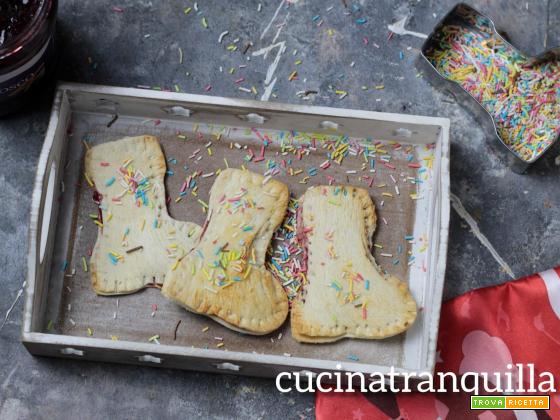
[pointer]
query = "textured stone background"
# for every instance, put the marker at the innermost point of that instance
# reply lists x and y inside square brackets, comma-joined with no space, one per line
[519,214]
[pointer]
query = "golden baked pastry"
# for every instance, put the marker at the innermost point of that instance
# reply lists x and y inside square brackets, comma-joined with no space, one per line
[346,294]
[224,275]
[137,240]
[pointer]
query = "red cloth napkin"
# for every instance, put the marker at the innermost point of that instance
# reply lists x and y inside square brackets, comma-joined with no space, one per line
[481,331]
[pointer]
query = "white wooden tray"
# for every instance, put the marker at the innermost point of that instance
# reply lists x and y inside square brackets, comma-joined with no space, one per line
[64,318]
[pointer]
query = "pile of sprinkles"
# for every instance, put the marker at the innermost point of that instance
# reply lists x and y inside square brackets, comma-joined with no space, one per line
[133,182]
[284,254]
[522,96]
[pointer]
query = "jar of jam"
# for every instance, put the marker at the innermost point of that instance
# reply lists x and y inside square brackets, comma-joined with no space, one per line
[27,50]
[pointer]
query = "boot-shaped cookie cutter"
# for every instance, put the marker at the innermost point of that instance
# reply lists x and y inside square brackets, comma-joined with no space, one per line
[473,21]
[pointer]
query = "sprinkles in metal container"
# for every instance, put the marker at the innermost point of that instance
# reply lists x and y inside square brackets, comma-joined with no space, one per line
[521,94]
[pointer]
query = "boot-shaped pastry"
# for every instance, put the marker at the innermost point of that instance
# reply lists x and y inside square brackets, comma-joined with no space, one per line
[224,276]
[137,240]
[346,294]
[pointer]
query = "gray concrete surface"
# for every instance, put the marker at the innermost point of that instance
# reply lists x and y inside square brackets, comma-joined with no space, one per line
[520,215]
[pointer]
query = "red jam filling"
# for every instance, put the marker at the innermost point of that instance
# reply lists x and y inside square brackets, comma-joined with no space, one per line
[15,17]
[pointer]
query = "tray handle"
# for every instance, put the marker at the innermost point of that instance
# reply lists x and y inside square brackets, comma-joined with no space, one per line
[70,351]
[46,210]
[148,358]
[227,366]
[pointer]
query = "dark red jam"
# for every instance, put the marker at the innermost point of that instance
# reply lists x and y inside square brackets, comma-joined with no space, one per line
[15,16]
[27,53]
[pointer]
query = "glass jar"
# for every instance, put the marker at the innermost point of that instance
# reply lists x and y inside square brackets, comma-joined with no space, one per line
[27,50]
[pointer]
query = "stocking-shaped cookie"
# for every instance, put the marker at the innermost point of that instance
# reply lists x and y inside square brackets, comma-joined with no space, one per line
[224,275]
[346,294]
[137,240]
